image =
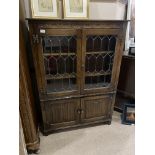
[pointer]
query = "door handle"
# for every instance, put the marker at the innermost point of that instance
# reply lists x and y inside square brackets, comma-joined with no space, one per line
[80,111]
[82,66]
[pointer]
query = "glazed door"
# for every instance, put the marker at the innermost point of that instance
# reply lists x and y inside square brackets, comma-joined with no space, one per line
[99,63]
[59,58]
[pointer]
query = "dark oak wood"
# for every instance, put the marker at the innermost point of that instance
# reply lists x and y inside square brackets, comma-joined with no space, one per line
[118,52]
[59,114]
[26,99]
[27,108]
[81,106]
[126,83]
[96,108]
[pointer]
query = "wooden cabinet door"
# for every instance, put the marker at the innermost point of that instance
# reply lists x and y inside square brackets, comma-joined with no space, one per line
[58,60]
[96,108]
[60,114]
[101,54]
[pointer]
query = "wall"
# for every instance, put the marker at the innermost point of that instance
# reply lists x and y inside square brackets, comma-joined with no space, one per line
[130,32]
[22,146]
[132,23]
[102,9]
[27,8]
[98,9]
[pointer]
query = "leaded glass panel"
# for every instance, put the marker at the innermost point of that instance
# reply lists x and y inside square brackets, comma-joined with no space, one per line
[60,57]
[100,50]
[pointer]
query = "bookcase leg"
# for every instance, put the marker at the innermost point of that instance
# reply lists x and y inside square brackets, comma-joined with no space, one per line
[109,122]
[37,151]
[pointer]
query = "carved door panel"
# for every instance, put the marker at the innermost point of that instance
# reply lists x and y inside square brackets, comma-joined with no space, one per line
[62,113]
[96,108]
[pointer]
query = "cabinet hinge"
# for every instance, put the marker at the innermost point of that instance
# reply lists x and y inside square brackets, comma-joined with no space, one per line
[35,38]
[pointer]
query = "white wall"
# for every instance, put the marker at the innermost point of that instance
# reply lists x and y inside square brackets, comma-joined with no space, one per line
[27,8]
[98,9]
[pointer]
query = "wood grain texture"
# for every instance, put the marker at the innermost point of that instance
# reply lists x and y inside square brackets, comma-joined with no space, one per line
[126,84]
[26,100]
[96,108]
[75,108]
[62,113]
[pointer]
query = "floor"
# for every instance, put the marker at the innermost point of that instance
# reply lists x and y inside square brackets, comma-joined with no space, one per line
[114,139]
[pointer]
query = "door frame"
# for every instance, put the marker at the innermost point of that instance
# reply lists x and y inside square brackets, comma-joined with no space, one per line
[115,69]
[41,67]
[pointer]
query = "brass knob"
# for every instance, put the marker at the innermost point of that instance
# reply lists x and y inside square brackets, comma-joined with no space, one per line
[82,111]
[79,111]
[82,66]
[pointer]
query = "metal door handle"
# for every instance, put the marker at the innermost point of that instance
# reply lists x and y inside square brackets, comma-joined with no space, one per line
[79,111]
[82,66]
[82,111]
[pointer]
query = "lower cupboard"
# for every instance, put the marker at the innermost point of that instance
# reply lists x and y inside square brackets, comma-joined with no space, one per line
[68,113]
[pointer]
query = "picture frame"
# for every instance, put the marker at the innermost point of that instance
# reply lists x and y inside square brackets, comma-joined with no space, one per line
[76,9]
[45,9]
[127,115]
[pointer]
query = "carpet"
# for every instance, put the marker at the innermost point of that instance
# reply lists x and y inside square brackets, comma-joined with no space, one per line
[114,139]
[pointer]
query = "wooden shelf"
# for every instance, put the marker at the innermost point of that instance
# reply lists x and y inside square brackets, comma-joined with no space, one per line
[94,85]
[97,74]
[68,54]
[58,54]
[100,52]
[57,87]
[77,20]
[60,76]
